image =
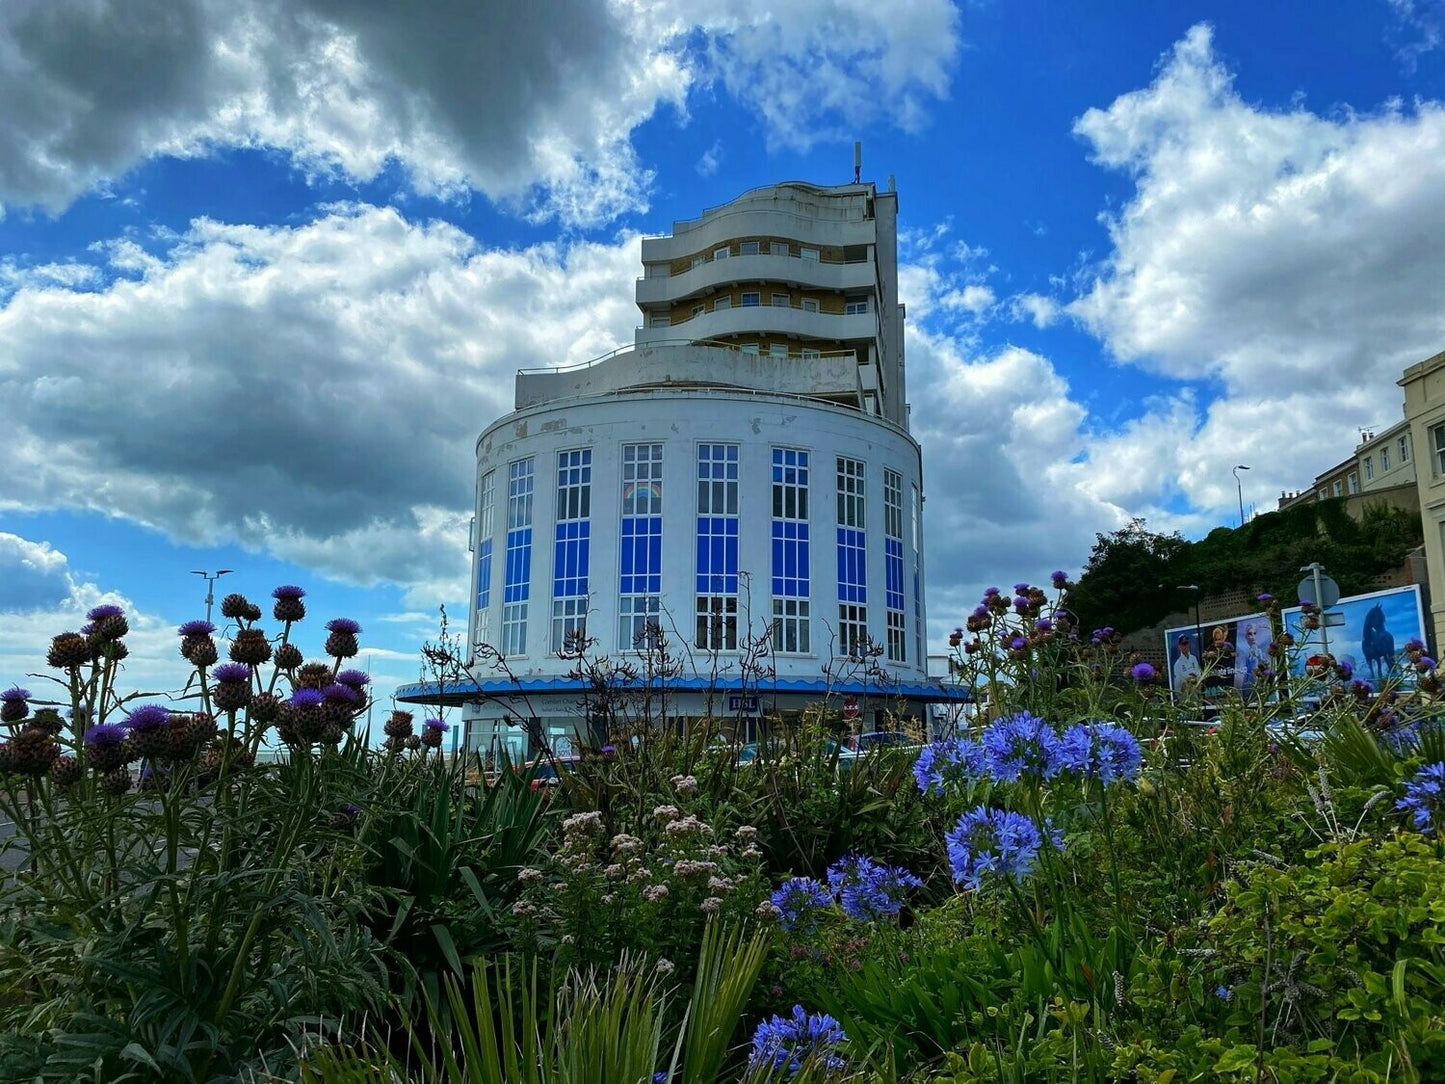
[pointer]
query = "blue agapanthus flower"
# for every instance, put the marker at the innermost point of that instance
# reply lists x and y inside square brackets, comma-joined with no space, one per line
[989,842]
[796,900]
[949,762]
[786,1042]
[869,891]
[1425,798]
[1020,745]
[1103,751]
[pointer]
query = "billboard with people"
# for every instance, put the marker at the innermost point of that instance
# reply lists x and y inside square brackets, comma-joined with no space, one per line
[1214,657]
[1372,640]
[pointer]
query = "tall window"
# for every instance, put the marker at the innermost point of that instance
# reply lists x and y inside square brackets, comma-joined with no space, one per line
[1405,448]
[915,516]
[517,575]
[639,603]
[893,564]
[791,587]
[1353,481]
[1437,444]
[486,495]
[852,556]
[1384,458]
[717,547]
[571,546]
[1369,467]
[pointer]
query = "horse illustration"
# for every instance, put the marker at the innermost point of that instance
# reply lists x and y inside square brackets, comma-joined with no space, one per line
[1376,643]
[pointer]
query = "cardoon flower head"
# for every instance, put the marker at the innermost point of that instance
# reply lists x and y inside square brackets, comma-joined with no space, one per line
[1021,603]
[343,625]
[1143,673]
[1043,624]
[796,899]
[869,891]
[432,731]
[788,1042]
[289,606]
[949,761]
[289,591]
[306,698]
[1362,688]
[1021,589]
[1425,798]
[980,611]
[341,644]
[1103,751]
[1022,744]
[1414,643]
[101,735]
[97,614]
[989,592]
[1345,668]
[357,679]
[14,693]
[990,842]
[1264,597]
[14,704]
[231,672]
[1059,579]
[338,691]
[148,717]
[1425,664]
[195,628]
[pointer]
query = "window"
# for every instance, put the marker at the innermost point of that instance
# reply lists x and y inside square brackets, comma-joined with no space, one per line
[1354,482]
[660,319]
[1369,467]
[486,494]
[1405,448]
[720,303]
[790,626]
[852,630]
[855,305]
[698,310]
[851,492]
[717,622]
[748,248]
[790,580]
[810,304]
[750,348]
[571,546]
[809,352]
[781,301]
[852,557]
[721,253]
[1323,494]
[639,608]
[1437,442]
[1337,489]
[915,520]
[1384,458]
[751,300]
[778,350]
[808,253]
[698,261]
[517,571]
[893,564]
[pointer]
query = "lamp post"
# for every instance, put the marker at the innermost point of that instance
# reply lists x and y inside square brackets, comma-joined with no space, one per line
[1239,488]
[211,578]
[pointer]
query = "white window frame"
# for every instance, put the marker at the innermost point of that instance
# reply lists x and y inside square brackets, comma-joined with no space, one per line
[852,627]
[778,350]
[1384,458]
[1437,443]
[785,303]
[808,254]
[1369,468]
[721,253]
[747,248]
[660,319]
[855,306]
[757,299]
[722,303]
[1405,449]
[809,304]
[810,352]
[791,626]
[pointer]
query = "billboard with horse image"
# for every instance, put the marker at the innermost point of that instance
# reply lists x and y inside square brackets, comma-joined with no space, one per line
[1215,657]
[1372,639]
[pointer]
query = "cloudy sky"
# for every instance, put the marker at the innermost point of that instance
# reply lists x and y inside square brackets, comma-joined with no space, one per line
[267,267]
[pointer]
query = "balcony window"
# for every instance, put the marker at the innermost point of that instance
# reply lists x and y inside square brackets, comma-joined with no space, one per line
[778,350]
[750,348]
[698,261]
[810,304]
[781,301]
[722,303]
[854,306]
[698,310]
[660,319]
[751,300]
[748,248]
[809,254]
[722,253]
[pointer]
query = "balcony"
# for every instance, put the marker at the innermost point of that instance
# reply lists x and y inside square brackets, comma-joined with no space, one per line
[767,320]
[778,268]
[804,224]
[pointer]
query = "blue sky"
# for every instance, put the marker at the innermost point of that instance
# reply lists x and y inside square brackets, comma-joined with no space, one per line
[267,268]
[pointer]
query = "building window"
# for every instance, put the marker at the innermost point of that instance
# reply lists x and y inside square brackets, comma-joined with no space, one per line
[1336,488]
[1405,448]
[640,586]
[721,303]
[893,565]
[778,350]
[1324,494]
[853,630]
[751,300]
[808,353]
[1354,481]
[572,543]
[698,261]
[791,582]
[721,253]
[809,304]
[855,306]
[660,319]
[781,301]
[915,517]
[852,555]
[698,310]
[486,500]
[717,622]
[1369,467]
[517,573]
[1384,458]
[809,254]
[748,248]
[749,348]
[1437,442]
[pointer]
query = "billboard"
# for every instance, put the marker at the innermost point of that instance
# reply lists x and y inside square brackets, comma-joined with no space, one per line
[1373,637]
[1218,656]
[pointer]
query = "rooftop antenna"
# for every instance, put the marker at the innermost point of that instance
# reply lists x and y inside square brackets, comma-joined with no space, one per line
[857,162]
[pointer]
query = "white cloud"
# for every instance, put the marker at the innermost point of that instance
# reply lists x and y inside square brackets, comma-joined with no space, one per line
[33,576]
[1280,255]
[532,104]
[313,391]
[1037,308]
[708,163]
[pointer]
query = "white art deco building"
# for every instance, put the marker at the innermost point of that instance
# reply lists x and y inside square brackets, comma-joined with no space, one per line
[740,483]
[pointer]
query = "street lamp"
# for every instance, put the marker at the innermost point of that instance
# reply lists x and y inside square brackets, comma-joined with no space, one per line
[211,579]
[1239,488]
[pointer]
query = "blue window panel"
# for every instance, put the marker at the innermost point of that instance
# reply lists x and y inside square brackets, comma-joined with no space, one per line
[484,575]
[641,555]
[518,575]
[852,566]
[893,573]
[570,556]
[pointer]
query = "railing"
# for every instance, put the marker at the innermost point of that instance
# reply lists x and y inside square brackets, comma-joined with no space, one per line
[715,344]
[796,306]
[671,274]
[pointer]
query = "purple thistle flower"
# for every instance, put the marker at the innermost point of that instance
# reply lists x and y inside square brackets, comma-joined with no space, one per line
[1021,744]
[231,673]
[288,591]
[1018,643]
[1143,673]
[1059,579]
[1043,624]
[789,1042]
[101,735]
[1346,669]
[796,899]
[992,842]
[306,698]
[1021,588]
[343,625]
[357,679]
[15,694]
[352,808]
[1425,664]
[104,610]
[1414,643]
[438,724]
[196,628]
[1361,687]
[980,610]
[1021,603]
[148,717]
[1425,798]
[338,691]
[1265,597]
[989,592]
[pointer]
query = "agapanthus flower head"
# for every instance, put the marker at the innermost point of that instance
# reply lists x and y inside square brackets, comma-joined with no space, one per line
[198,627]
[1059,579]
[357,679]
[992,843]
[867,890]
[1021,744]
[306,698]
[797,899]
[231,672]
[148,717]
[1424,799]
[1143,673]
[787,1042]
[1104,751]
[949,762]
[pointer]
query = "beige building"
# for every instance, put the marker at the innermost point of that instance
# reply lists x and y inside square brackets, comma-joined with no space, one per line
[1381,470]
[1424,386]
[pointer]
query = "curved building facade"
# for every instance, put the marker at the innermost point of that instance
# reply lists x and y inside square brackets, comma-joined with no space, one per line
[739,488]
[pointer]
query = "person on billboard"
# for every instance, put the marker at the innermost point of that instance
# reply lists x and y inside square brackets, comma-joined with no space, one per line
[1219,656]
[1186,665]
[1253,652]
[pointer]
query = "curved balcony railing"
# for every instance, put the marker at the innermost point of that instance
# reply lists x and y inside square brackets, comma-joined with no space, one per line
[780,268]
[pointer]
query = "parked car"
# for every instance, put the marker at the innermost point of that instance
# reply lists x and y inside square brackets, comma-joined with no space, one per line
[545,771]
